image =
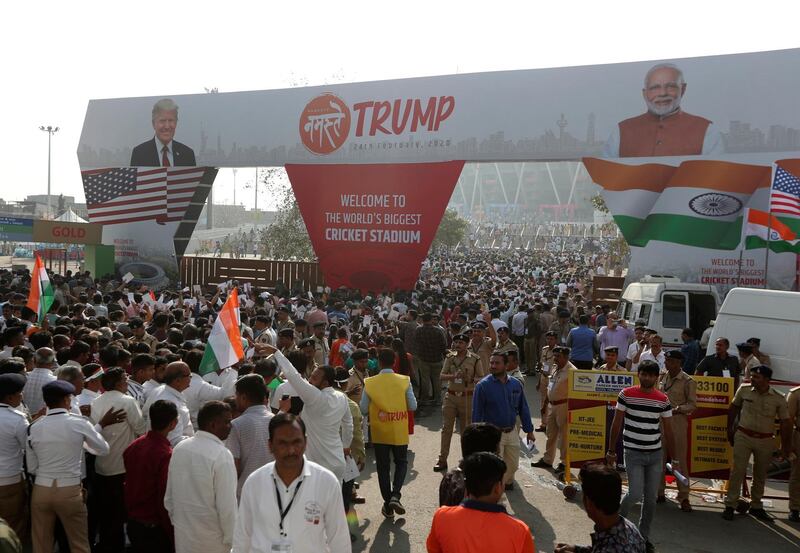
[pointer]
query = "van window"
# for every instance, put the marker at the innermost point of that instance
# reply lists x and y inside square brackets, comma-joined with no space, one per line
[624,309]
[674,315]
[644,313]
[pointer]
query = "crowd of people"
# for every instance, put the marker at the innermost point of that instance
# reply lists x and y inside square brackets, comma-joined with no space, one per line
[112,430]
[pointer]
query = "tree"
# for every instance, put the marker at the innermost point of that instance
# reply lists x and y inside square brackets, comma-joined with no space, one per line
[286,237]
[452,230]
[619,246]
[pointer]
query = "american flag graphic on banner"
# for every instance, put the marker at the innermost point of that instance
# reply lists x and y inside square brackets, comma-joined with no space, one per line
[130,194]
[784,197]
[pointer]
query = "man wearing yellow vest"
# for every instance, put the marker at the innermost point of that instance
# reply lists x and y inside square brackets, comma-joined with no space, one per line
[387,399]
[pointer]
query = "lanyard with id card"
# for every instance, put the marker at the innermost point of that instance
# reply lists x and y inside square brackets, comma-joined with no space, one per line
[283,545]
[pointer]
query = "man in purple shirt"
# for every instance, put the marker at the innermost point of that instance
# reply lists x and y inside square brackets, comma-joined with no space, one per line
[617,334]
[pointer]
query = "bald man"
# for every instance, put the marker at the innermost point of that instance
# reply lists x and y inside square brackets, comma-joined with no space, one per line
[177,377]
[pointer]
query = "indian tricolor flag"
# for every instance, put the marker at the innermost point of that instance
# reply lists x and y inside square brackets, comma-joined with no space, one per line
[698,203]
[760,225]
[224,347]
[41,296]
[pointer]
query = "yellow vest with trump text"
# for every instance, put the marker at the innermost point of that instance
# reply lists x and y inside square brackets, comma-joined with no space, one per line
[388,412]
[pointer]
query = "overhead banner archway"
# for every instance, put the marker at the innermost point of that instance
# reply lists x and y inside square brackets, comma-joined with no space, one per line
[738,108]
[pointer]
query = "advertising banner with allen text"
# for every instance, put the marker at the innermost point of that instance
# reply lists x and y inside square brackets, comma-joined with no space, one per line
[592,400]
[710,454]
[372,225]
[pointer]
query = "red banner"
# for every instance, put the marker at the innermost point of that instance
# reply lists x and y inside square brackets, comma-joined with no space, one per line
[372,225]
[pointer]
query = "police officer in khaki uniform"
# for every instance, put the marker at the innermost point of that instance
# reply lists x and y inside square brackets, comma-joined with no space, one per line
[546,362]
[322,350]
[612,357]
[481,344]
[759,405]
[286,341]
[793,399]
[462,369]
[557,416]
[681,389]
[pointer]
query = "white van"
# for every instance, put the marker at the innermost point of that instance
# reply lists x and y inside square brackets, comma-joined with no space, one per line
[770,315]
[668,305]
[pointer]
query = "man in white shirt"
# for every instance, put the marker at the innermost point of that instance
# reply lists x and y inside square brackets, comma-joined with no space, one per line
[250,430]
[291,504]
[44,361]
[143,367]
[91,387]
[54,452]
[176,379]
[225,379]
[654,353]
[325,412]
[110,469]
[13,434]
[201,486]
[199,391]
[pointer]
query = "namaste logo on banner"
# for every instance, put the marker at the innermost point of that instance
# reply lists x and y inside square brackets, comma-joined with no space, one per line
[325,124]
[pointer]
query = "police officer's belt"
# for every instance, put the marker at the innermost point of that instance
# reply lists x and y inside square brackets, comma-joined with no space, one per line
[753,433]
[460,394]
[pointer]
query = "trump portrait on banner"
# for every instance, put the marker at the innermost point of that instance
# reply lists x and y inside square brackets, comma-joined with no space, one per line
[162,150]
[664,129]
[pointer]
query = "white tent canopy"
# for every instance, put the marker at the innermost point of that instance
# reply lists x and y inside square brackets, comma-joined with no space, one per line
[70,216]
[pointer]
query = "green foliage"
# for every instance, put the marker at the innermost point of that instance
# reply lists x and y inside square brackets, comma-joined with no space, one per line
[452,230]
[286,237]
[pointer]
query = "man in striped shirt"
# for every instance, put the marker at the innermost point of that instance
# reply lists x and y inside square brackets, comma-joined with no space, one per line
[642,413]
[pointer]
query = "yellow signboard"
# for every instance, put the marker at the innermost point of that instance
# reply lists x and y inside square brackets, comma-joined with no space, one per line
[587,433]
[599,385]
[710,454]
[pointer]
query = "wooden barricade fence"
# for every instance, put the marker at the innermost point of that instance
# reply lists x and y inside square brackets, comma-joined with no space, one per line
[262,273]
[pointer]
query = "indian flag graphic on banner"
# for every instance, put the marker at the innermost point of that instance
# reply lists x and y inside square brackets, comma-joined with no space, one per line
[763,228]
[698,203]
[224,347]
[41,295]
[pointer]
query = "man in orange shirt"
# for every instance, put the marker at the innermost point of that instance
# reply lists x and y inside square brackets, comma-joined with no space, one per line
[480,524]
[665,129]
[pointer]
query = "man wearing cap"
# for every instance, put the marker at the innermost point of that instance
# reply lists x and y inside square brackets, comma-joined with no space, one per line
[755,406]
[681,389]
[13,434]
[140,335]
[793,401]
[286,341]
[282,318]
[747,360]
[612,363]
[504,342]
[462,370]
[547,361]
[480,344]
[557,417]
[761,356]
[322,350]
[358,374]
[309,349]
[54,451]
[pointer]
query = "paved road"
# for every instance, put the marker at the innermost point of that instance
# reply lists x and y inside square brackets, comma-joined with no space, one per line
[553,519]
